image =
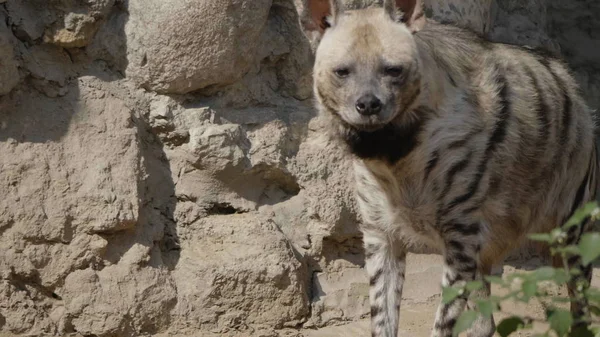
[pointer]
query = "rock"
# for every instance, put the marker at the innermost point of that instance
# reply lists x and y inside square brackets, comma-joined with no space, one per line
[74,174]
[245,273]
[212,42]
[340,296]
[49,67]
[29,18]
[473,14]
[67,24]
[78,24]
[219,147]
[147,295]
[525,24]
[78,31]
[109,42]
[9,73]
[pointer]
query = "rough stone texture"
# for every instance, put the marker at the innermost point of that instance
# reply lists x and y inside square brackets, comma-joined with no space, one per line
[9,74]
[567,28]
[78,23]
[214,41]
[242,271]
[162,171]
[473,14]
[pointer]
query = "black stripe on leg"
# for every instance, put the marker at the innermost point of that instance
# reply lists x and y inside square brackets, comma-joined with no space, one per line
[462,257]
[446,325]
[455,245]
[379,293]
[469,267]
[373,280]
[375,311]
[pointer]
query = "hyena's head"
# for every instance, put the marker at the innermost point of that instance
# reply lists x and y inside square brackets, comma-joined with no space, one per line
[366,63]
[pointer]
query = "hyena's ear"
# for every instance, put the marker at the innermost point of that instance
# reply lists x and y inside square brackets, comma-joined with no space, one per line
[318,15]
[408,11]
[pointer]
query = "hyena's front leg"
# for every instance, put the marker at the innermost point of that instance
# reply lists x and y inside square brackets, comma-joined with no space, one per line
[482,327]
[385,263]
[461,258]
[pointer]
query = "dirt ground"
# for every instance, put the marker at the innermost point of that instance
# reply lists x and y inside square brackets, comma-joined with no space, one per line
[421,297]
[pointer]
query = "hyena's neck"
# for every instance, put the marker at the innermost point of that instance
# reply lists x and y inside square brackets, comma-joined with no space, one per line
[447,55]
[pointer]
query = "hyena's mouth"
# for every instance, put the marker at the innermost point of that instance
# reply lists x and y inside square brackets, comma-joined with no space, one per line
[370,124]
[370,127]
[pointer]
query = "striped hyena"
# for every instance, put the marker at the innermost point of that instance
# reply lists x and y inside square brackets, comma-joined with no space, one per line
[459,144]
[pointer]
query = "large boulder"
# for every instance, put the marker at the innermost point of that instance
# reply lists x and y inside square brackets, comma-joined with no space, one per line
[183,45]
[237,271]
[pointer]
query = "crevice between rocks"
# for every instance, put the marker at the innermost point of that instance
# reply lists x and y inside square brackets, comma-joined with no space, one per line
[224,208]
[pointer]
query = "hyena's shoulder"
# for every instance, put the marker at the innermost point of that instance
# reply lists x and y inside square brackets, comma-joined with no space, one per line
[535,80]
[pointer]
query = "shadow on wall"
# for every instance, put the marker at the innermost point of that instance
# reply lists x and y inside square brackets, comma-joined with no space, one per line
[53,71]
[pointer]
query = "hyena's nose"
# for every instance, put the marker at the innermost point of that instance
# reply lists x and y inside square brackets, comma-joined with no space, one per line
[368,105]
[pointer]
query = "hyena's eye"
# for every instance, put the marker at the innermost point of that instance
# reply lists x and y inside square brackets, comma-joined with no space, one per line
[342,72]
[393,71]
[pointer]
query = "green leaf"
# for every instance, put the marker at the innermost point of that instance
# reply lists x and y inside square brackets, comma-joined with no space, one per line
[561,276]
[595,310]
[571,250]
[593,294]
[474,285]
[589,245]
[544,274]
[509,325]
[494,280]
[560,321]
[561,299]
[581,214]
[464,322]
[486,307]
[449,294]
[540,237]
[529,289]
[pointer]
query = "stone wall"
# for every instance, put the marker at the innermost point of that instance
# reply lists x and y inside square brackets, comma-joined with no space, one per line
[162,170]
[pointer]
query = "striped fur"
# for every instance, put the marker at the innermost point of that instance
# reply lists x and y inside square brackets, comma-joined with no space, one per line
[477,144]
